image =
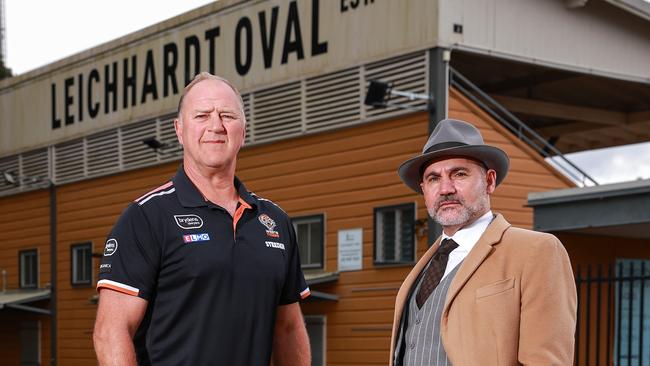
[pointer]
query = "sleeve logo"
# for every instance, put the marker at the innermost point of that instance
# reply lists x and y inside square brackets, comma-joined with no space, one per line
[110,248]
[188,221]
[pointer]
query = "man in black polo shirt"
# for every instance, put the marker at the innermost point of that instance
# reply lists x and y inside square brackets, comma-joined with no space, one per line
[199,271]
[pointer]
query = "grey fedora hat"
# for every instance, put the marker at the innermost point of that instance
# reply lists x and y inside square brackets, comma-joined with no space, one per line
[454,138]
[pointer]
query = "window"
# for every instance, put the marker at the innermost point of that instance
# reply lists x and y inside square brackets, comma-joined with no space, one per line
[395,234]
[310,236]
[632,306]
[30,343]
[316,331]
[28,268]
[81,264]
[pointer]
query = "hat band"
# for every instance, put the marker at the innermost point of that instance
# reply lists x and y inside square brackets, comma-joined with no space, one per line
[443,145]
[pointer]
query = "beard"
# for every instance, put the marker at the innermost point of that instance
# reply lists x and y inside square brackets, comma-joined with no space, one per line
[462,215]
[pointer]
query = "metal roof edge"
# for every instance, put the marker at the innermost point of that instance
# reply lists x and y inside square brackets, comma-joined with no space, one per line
[589,193]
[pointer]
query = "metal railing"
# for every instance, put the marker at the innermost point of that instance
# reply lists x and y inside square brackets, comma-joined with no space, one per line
[519,128]
[613,326]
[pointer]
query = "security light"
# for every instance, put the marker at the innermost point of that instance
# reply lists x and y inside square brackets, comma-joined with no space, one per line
[380,91]
[153,143]
[10,179]
[377,95]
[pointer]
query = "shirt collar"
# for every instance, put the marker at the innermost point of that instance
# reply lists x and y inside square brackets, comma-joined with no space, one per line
[190,196]
[469,235]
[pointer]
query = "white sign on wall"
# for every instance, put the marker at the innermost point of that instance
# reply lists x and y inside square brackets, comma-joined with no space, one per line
[350,249]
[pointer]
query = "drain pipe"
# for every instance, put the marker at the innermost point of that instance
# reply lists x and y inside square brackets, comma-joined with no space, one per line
[54,288]
[4,280]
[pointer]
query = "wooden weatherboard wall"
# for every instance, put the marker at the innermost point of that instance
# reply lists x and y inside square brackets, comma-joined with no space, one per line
[24,224]
[343,174]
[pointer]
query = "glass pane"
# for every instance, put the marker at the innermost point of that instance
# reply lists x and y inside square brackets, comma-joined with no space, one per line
[87,255]
[82,261]
[80,270]
[407,230]
[303,242]
[316,245]
[315,331]
[388,238]
[28,269]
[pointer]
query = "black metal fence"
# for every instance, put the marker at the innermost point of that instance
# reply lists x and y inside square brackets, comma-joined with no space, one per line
[613,326]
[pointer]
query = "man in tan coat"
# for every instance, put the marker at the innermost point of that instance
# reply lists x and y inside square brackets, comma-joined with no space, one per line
[485,293]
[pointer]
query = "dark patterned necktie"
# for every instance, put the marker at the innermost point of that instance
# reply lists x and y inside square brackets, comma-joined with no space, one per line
[435,271]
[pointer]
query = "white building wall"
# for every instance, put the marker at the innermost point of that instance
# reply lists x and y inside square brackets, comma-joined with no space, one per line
[597,38]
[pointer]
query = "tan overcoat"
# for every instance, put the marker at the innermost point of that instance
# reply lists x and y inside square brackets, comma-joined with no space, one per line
[512,301]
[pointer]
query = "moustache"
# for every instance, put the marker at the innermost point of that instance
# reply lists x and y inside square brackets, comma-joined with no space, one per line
[447,198]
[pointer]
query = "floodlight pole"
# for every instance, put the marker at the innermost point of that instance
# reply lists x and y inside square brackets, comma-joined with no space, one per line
[438,85]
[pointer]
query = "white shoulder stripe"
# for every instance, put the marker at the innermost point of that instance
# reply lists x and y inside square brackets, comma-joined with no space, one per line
[118,286]
[162,193]
[266,200]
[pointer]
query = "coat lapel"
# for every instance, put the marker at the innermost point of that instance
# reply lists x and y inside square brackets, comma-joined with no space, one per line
[475,257]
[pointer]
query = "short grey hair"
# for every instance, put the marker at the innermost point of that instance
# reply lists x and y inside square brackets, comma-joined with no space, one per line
[204,75]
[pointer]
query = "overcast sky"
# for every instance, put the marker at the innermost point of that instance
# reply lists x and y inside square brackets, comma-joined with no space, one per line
[40,32]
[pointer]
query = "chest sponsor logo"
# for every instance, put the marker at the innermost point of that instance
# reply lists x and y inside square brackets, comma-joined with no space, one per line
[192,238]
[269,224]
[188,221]
[110,248]
[272,244]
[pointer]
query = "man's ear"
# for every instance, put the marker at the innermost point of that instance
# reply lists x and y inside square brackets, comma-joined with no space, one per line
[491,180]
[243,139]
[178,127]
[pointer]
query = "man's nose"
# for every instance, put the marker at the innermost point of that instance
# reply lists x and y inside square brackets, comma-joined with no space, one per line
[216,123]
[446,186]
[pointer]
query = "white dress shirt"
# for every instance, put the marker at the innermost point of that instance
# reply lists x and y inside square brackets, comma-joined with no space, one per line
[466,238]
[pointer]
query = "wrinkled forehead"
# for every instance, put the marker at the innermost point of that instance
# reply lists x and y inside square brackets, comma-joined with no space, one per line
[210,93]
[441,164]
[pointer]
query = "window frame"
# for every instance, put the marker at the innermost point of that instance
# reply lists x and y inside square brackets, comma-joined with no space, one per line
[73,248]
[311,218]
[21,276]
[375,255]
[319,319]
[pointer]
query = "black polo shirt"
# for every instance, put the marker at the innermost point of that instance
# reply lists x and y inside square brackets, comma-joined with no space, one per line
[213,282]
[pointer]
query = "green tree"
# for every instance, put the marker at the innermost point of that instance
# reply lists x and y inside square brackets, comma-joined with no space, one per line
[5,72]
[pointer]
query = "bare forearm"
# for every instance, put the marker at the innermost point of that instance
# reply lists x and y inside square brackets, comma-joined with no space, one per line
[292,348]
[290,340]
[118,317]
[114,348]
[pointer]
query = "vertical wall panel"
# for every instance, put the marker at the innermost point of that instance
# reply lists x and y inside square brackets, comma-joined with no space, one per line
[24,224]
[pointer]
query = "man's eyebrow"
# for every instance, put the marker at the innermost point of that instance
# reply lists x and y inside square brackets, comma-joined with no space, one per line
[229,110]
[452,170]
[202,109]
[431,174]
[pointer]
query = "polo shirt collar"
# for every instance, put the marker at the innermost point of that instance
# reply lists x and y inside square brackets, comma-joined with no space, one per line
[190,196]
